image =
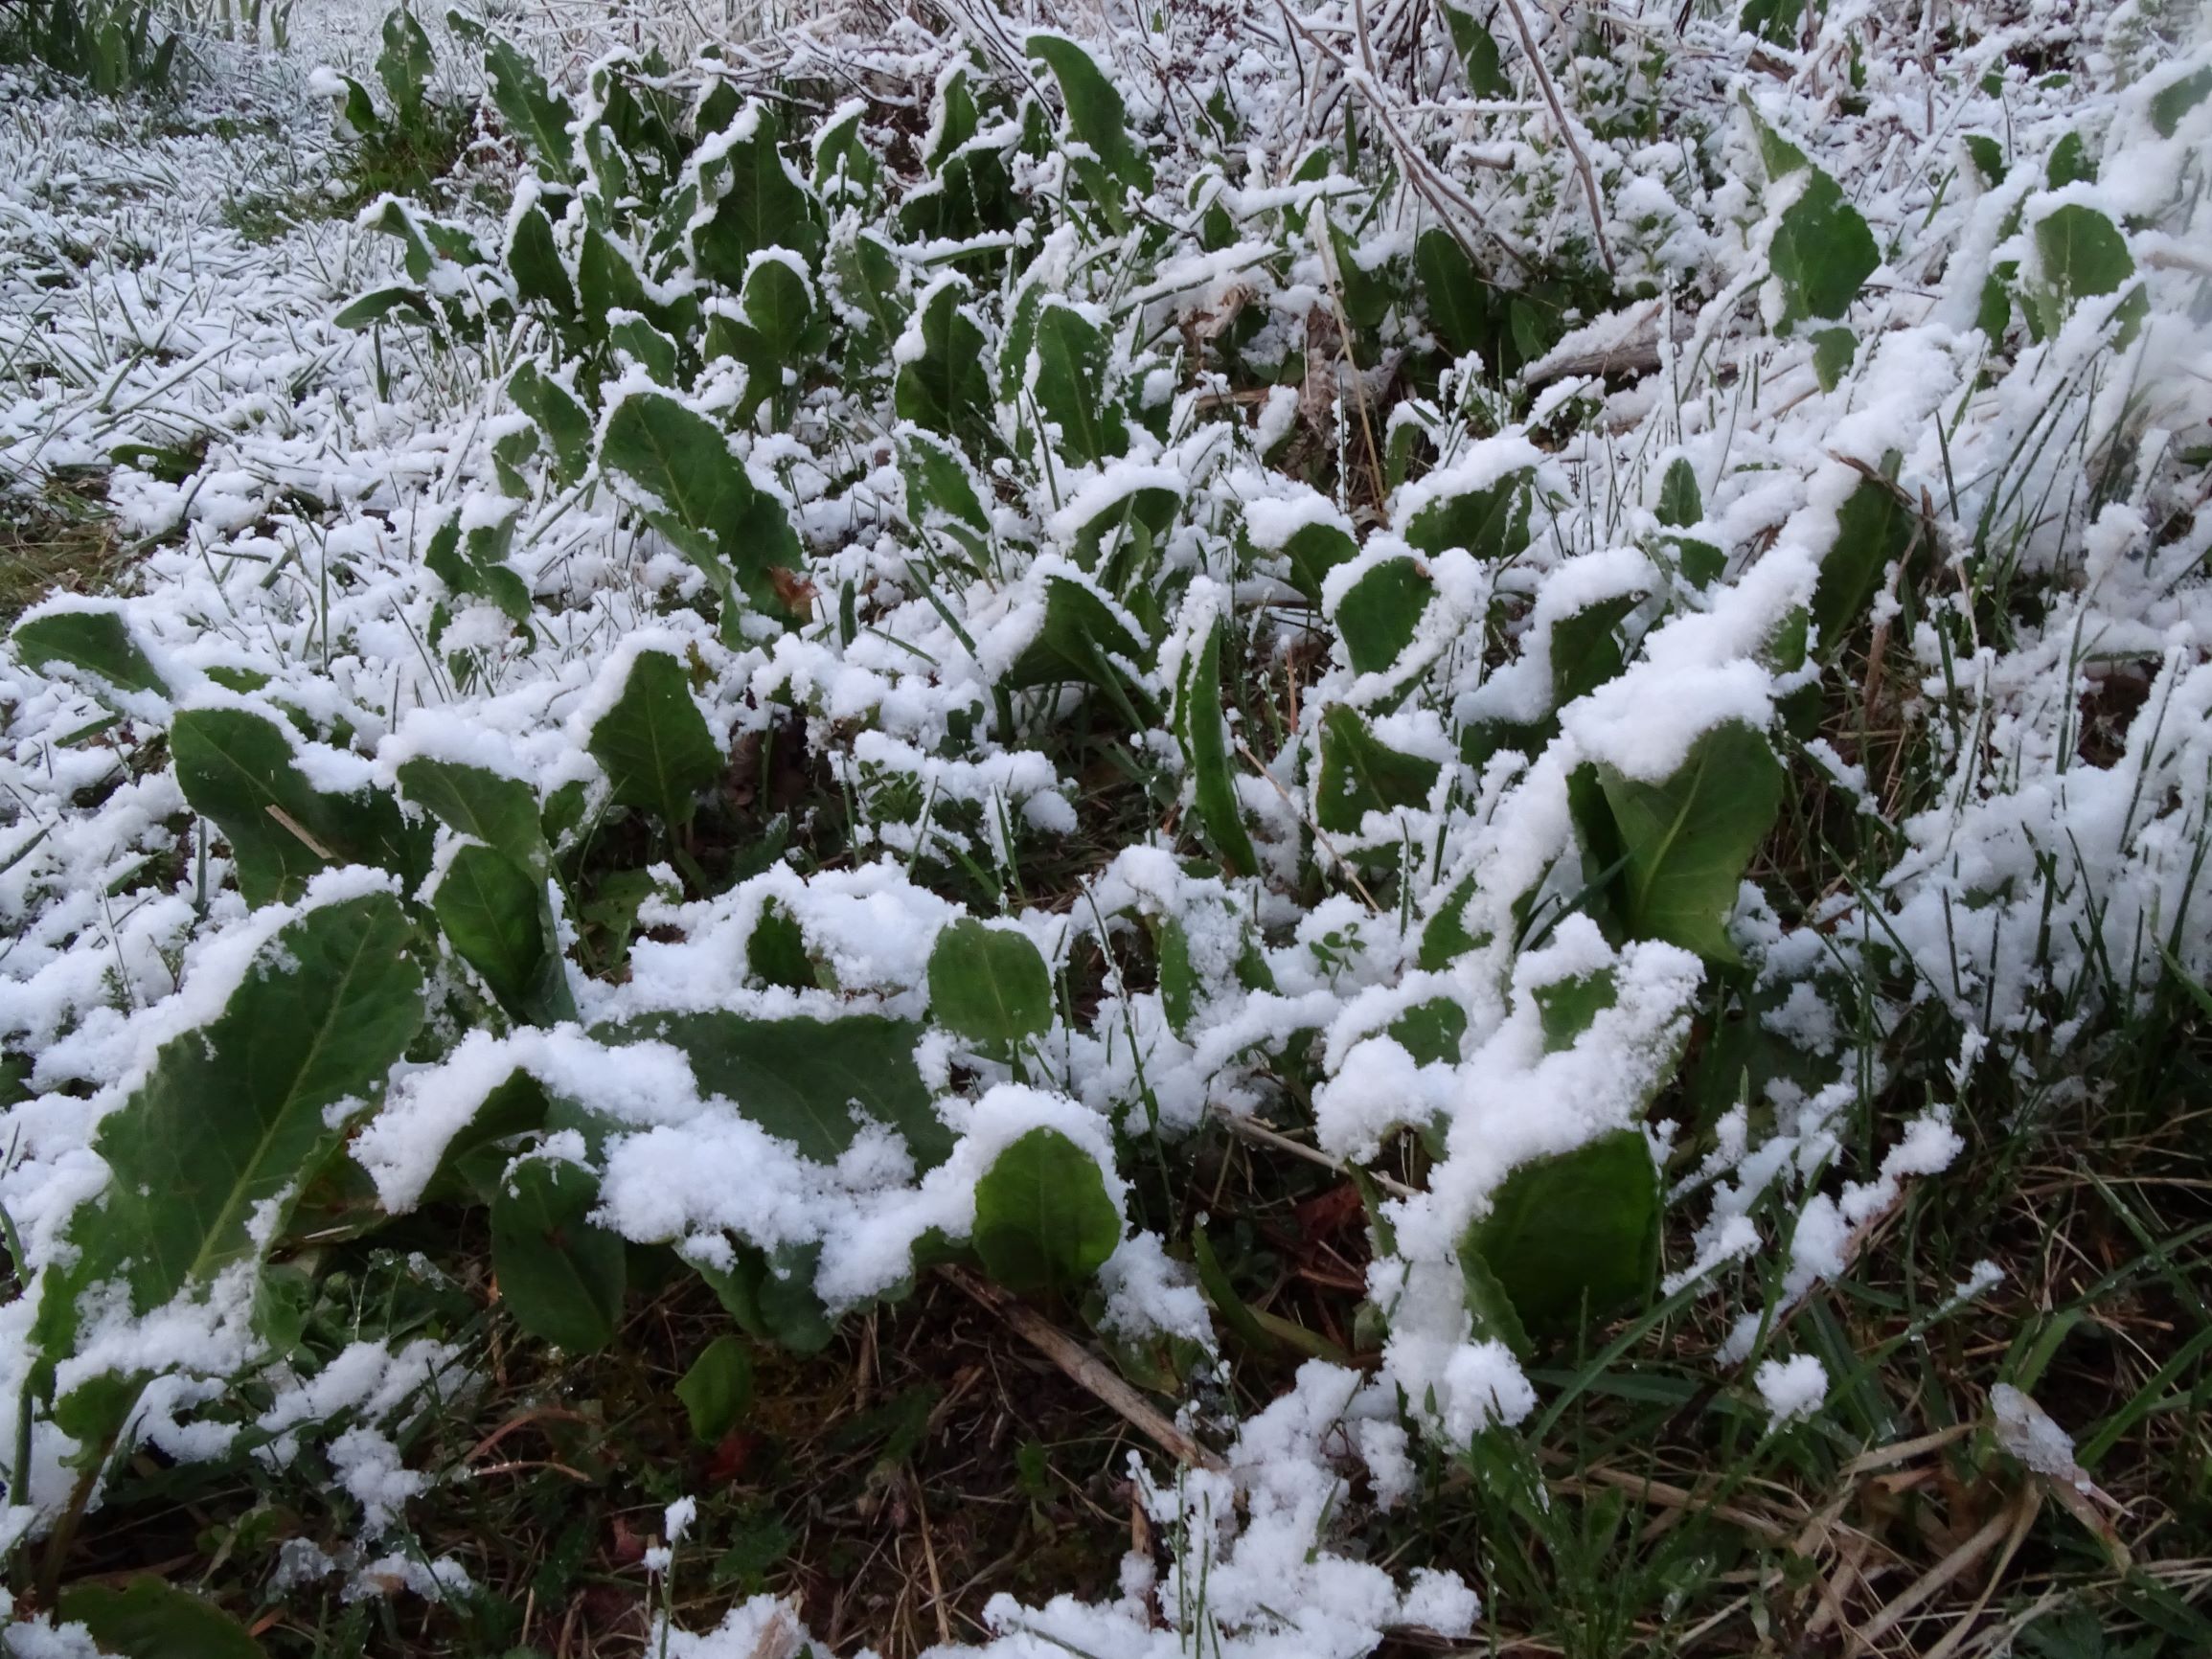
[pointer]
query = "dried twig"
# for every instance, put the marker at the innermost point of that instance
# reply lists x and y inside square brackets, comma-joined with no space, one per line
[1085,1369]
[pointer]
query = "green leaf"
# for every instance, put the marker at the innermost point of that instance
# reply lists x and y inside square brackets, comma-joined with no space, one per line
[1360,773]
[656,352]
[1832,351]
[1178,979]
[1457,299]
[535,262]
[606,280]
[238,770]
[1071,374]
[565,421]
[682,477]
[378,304]
[757,202]
[839,147]
[938,480]
[1874,529]
[97,641]
[1043,1222]
[1430,1031]
[779,307]
[2170,102]
[1380,613]
[499,811]
[1566,1007]
[1078,627]
[1367,295]
[495,915]
[531,111]
[1689,839]
[1202,731]
[1494,1315]
[1681,505]
[812,1082]
[1988,158]
[1444,939]
[654,744]
[1095,113]
[775,1299]
[1822,253]
[989,984]
[776,951]
[2069,163]
[1491,523]
[1586,647]
[1777,20]
[406,64]
[1315,550]
[2083,255]
[946,388]
[1256,1330]
[205,1158]
[1478,52]
[717,1390]
[560,1275]
[1572,1232]
[151,1618]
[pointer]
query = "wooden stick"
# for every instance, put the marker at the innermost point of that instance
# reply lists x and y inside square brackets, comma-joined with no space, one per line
[1085,1369]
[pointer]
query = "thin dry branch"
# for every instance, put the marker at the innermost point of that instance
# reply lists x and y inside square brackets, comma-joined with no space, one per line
[1085,1369]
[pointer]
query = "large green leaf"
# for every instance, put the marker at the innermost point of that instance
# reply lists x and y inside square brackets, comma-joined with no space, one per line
[205,1157]
[654,744]
[1458,303]
[1490,522]
[1381,612]
[531,111]
[779,308]
[1095,113]
[1043,1222]
[757,202]
[534,260]
[989,984]
[1822,253]
[1681,505]
[561,1276]
[97,641]
[499,811]
[717,1390]
[2083,255]
[565,421]
[1586,648]
[677,467]
[680,472]
[1071,371]
[946,388]
[1478,49]
[810,1081]
[1571,1232]
[494,913]
[1077,630]
[1203,733]
[1689,839]
[1874,529]
[1360,774]
[149,1618]
[237,770]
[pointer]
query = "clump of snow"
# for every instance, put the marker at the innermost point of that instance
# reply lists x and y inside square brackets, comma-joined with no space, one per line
[1792,1389]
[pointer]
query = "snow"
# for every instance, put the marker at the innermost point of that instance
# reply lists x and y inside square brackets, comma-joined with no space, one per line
[1792,1389]
[292,550]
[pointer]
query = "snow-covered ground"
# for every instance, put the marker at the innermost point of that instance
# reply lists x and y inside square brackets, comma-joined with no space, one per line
[167,287]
